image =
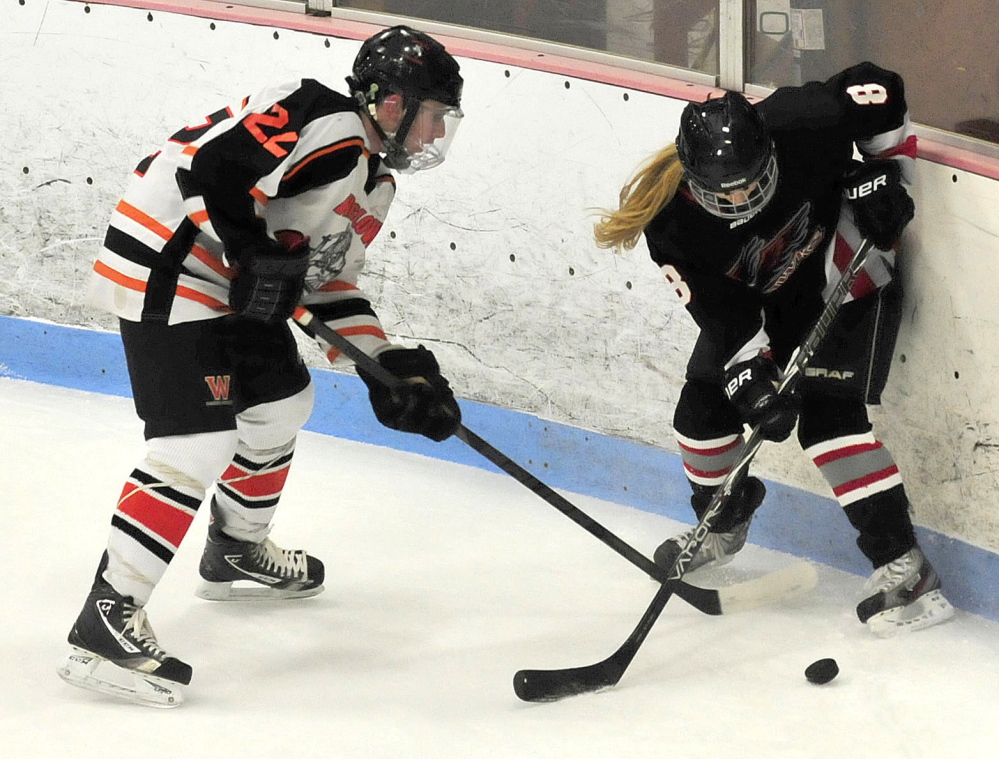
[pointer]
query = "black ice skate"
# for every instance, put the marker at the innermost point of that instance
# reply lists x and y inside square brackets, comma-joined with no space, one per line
[233,570]
[906,596]
[112,630]
[727,536]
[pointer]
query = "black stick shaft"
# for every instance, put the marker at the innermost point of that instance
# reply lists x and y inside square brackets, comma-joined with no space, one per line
[550,685]
[308,320]
[705,600]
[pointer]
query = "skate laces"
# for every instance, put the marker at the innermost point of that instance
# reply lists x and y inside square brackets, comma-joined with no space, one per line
[284,562]
[716,545]
[137,626]
[895,573]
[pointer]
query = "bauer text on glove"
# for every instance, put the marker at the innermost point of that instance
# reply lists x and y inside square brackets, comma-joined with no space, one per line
[881,206]
[423,404]
[750,386]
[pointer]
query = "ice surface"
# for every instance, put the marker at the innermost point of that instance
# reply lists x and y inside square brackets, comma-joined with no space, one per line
[442,581]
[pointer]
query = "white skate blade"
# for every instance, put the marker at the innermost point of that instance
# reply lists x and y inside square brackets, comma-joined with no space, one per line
[250,591]
[925,611]
[80,669]
[768,589]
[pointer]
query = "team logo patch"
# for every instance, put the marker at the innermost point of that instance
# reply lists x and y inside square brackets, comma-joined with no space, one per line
[328,259]
[768,264]
[219,387]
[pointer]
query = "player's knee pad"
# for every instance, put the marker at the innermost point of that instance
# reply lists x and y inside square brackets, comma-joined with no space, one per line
[273,424]
[194,461]
[703,412]
[824,417]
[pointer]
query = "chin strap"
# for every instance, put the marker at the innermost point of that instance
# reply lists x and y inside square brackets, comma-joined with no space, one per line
[396,155]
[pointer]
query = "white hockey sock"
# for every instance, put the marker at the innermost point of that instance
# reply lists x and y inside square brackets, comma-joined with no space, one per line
[247,494]
[157,505]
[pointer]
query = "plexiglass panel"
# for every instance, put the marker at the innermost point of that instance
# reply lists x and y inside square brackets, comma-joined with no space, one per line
[943,49]
[680,33]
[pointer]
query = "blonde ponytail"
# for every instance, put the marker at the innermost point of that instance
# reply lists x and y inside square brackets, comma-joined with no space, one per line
[652,187]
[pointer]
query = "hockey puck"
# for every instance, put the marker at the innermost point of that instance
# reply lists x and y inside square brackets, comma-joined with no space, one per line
[822,671]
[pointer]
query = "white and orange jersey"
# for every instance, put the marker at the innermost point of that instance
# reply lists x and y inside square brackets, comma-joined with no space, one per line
[292,158]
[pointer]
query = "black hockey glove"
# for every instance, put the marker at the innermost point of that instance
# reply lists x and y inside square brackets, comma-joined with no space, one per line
[750,386]
[881,205]
[424,404]
[270,279]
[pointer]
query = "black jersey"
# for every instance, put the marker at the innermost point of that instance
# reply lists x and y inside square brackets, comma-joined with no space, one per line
[732,274]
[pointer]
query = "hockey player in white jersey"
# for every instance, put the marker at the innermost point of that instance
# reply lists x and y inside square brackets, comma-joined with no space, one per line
[220,235]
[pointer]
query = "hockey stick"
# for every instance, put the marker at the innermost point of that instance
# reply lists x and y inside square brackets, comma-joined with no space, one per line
[553,684]
[727,600]
[736,597]
[307,319]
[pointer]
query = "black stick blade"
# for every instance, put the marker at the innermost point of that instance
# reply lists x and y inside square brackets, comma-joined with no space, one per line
[554,684]
[704,600]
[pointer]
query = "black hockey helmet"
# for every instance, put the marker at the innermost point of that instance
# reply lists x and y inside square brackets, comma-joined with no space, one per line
[727,155]
[409,62]
[404,61]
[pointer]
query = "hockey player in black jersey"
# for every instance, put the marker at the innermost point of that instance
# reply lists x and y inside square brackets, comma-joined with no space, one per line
[221,234]
[751,214]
